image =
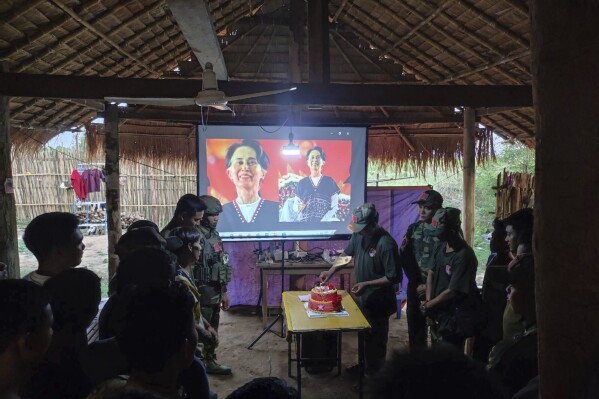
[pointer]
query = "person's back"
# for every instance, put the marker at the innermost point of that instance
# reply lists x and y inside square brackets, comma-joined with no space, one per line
[436,373]
[25,333]
[156,352]
[265,388]
[75,295]
[143,266]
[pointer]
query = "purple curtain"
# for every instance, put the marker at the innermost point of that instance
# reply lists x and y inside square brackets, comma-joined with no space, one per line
[396,213]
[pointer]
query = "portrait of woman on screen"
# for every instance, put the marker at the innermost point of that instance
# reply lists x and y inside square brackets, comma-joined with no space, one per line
[316,196]
[247,165]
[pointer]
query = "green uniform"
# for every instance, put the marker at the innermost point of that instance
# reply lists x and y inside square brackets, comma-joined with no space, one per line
[455,271]
[211,274]
[422,247]
[377,303]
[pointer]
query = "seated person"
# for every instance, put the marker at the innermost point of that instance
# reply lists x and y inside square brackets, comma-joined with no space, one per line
[158,340]
[145,266]
[74,297]
[56,242]
[265,388]
[25,333]
[440,372]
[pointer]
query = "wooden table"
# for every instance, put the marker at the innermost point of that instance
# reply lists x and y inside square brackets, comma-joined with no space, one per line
[299,323]
[296,268]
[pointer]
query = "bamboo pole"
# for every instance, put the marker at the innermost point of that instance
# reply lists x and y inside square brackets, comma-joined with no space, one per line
[113,206]
[469,169]
[9,247]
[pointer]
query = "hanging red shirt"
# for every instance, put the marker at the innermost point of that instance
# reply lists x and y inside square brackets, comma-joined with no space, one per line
[79,185]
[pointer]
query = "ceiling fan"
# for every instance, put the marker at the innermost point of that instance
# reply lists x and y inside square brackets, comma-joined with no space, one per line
[209,96]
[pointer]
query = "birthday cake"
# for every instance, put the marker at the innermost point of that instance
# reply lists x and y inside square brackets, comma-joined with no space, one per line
[324,299]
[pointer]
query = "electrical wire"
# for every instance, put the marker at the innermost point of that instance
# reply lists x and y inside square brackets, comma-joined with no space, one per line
[277,129]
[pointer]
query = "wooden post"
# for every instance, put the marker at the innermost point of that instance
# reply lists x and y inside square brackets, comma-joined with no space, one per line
[319,65]
[296,41]
[113,190]
[565,61]
[9,246]
[469,169]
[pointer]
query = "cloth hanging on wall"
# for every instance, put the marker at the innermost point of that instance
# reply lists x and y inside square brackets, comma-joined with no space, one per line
[79,185]
[94,180]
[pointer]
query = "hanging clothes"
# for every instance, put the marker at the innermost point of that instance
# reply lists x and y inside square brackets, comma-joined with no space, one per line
[79,185]
[94,180]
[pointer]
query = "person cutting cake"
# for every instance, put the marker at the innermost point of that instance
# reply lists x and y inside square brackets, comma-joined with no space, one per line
[376,259]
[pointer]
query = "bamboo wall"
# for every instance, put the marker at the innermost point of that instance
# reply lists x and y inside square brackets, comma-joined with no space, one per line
[150,189]
[514,191]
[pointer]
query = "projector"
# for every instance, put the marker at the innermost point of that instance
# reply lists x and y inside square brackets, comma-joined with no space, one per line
[290,149]
[279,255]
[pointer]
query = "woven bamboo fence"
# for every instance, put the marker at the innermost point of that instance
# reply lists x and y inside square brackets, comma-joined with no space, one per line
[514,191]
[149,189]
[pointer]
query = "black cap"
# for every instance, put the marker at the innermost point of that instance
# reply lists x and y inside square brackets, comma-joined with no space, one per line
[430,198]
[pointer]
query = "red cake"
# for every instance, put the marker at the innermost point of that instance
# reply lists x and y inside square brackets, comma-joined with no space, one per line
[324,299]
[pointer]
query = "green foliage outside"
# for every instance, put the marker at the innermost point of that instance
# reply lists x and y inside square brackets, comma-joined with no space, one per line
[511,157]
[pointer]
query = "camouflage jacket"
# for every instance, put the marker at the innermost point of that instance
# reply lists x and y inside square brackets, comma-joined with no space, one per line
[422,245]
[213,268]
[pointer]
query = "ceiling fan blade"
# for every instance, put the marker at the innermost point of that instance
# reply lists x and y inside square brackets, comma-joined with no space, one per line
[261,94]
[223,107]
[163,102]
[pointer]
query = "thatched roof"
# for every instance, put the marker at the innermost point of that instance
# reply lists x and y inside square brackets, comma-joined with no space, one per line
[481,42]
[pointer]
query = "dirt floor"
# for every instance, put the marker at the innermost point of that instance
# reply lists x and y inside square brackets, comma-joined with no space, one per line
[239,327]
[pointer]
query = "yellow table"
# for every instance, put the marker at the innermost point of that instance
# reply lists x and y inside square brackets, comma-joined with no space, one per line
[297,268]
[299,323]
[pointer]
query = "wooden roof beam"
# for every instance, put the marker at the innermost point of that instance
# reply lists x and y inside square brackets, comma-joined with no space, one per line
[96,32]
[458,42]
[239,38]
[266,52]
[161,62]
[120,67]
[467,31]
[53,25]
[481,68]
[366,27]
[246,55]
[404,138]
[517,124]
[11,15]
[359,51]
[74,34]
[279,116]
[491,22]
[88,87]
[237,14]
[415,28]
[347,60]
[319,60]
[194,20]
[339,11]
[519,7]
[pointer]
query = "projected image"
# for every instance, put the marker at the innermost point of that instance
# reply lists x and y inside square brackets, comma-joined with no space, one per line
[315,187]
[247,166]
[269,193]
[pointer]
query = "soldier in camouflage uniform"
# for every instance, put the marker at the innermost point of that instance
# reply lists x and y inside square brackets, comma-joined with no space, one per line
[418,246]
[211,276]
